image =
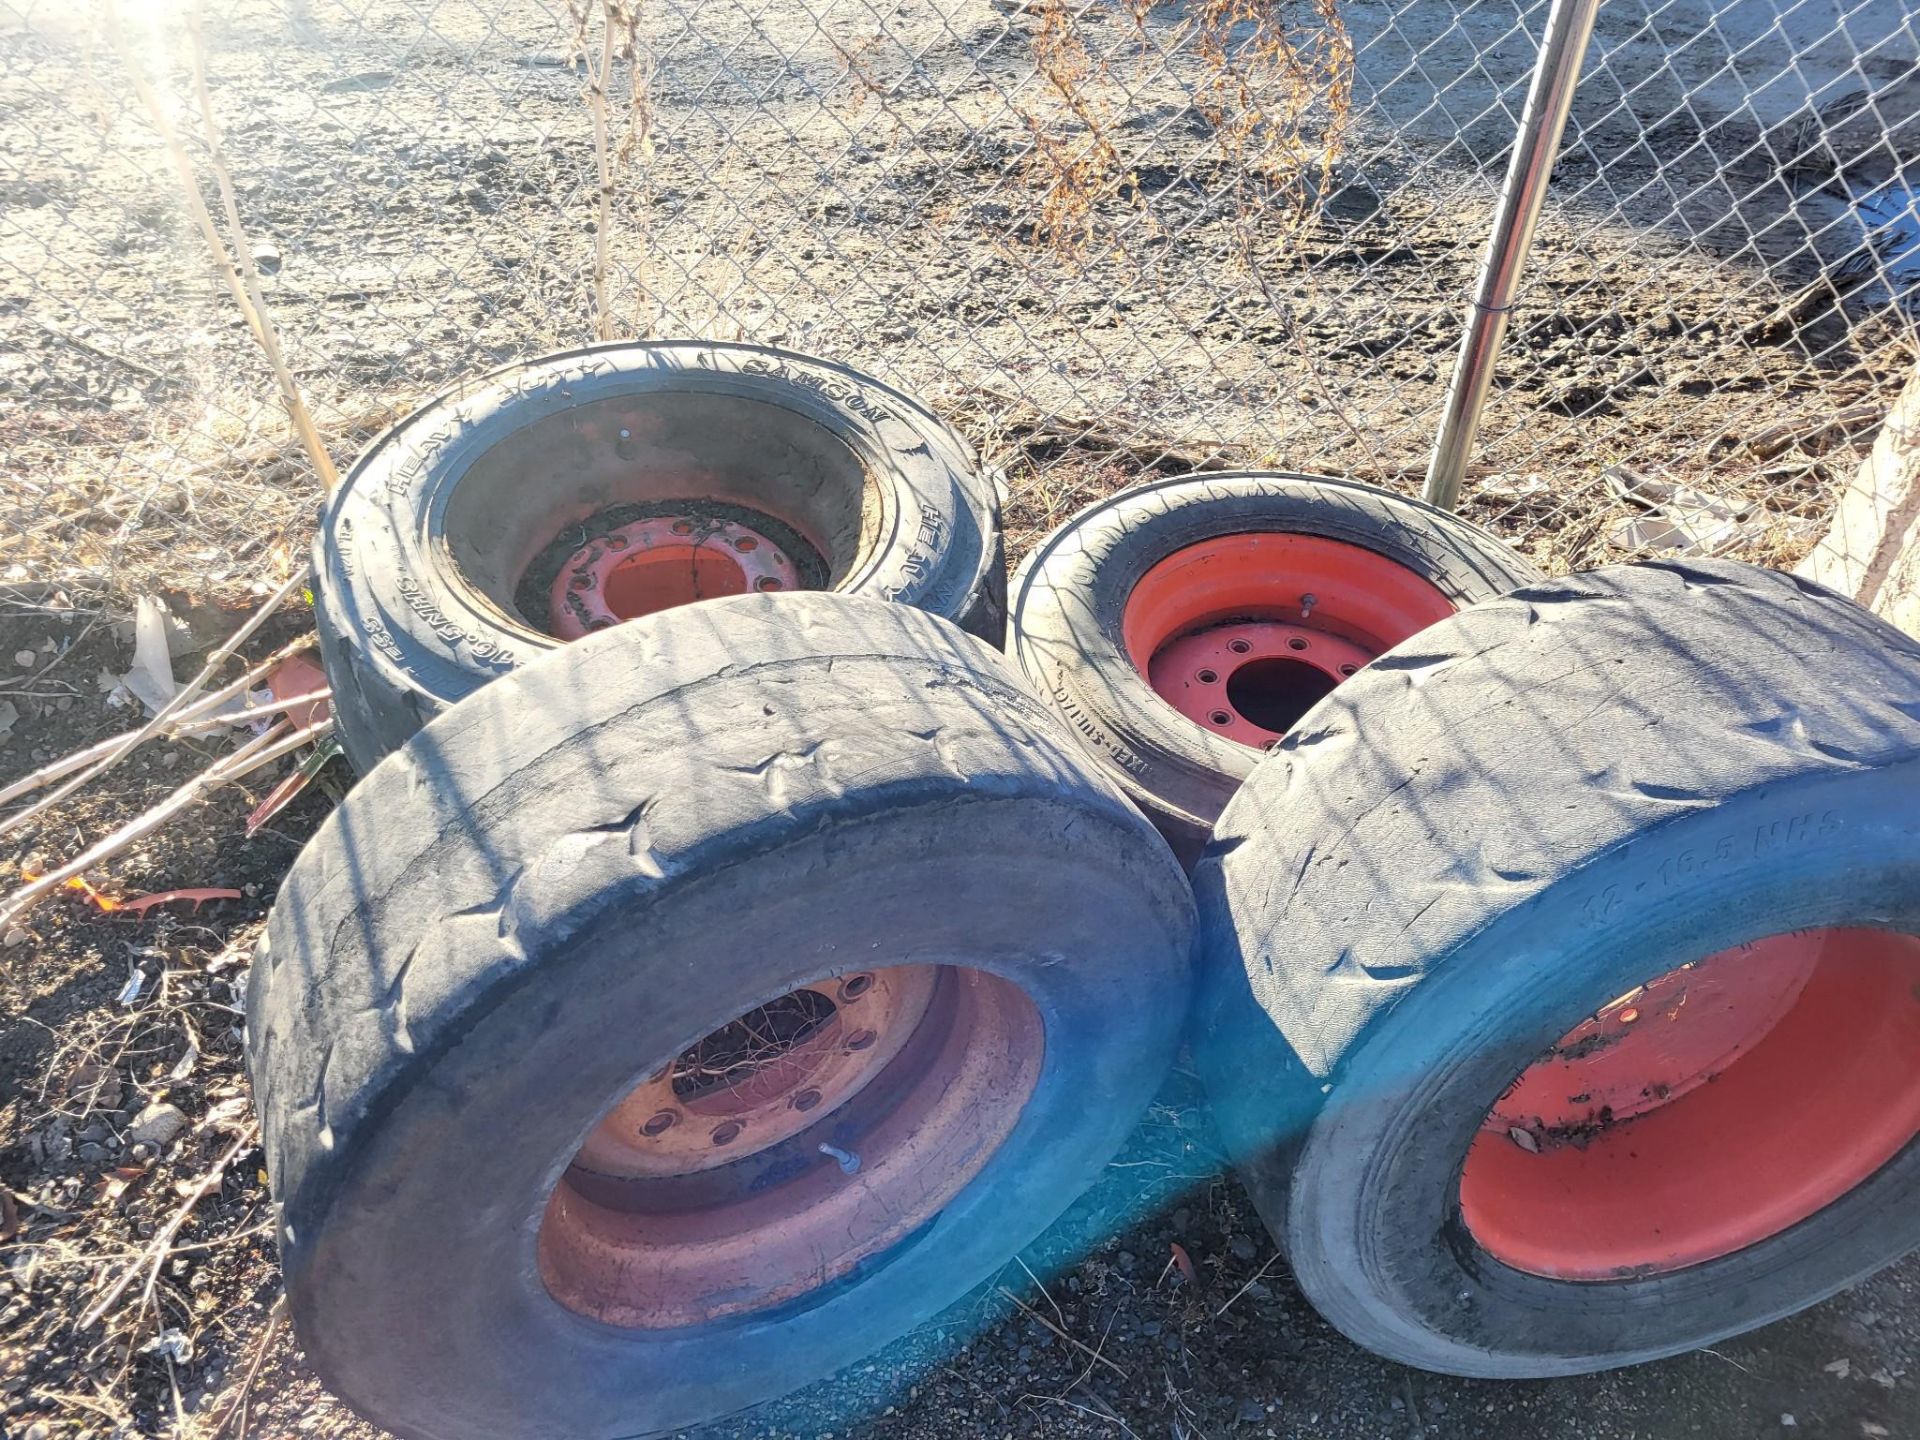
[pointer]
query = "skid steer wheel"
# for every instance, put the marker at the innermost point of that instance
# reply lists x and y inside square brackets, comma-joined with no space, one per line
[1584,1027]
[1183,627]
[560,496]
[687,1014]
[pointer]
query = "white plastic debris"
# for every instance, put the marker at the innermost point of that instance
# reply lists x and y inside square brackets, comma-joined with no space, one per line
[151,679]
[176,1345]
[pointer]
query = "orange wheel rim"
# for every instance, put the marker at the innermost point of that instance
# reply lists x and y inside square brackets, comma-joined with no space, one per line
[1243,634]
[790,1146]
[660,562]
[1712,1108]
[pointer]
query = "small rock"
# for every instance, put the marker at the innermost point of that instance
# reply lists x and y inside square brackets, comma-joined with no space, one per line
[38,1430]
[156,1125]
[1241,1248]
[267,256]
[24,659]
[14,936]
[1252,1412]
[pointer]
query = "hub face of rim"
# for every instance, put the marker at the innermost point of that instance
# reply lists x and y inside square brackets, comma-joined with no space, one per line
[780,1151]
[1276,619]
[538,493]
[657,563]
[1709,1109]
[1251,681]
[762,1079]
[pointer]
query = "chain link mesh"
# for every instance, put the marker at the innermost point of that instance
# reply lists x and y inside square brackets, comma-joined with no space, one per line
[1106,239]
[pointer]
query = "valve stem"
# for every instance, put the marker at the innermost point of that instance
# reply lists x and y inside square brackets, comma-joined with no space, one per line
[848,1161]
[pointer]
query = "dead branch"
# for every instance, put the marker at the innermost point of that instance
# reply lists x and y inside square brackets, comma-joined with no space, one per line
[245,292]
[242,762]
[193,720]
[1084,1349]
[168,712]
[156,1252]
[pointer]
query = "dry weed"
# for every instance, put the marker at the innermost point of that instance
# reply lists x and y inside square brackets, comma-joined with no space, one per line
[1275,90]
[619,29]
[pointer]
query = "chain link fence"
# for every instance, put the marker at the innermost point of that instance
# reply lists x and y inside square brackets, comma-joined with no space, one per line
[1105,239]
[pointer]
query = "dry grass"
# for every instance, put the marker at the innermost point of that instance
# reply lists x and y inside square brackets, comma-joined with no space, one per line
[1277,92]
[615,156]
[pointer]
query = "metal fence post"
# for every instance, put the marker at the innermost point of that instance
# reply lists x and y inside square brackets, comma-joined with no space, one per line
[1535,147]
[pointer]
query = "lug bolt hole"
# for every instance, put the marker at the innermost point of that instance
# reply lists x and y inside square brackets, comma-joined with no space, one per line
[1206,677]
[860,1039]
[659,1124]
[767,582]
[1240,647]
[1627,1017]
[806,1100]
[746,542]
[1349,669]
[1221,717]
[726,1134]
[682,527]
[1296,643]
[854,986]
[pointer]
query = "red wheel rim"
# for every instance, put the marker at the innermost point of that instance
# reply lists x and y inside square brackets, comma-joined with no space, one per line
[660,562]
[1244,633]
[1716,1106]
[785,1148]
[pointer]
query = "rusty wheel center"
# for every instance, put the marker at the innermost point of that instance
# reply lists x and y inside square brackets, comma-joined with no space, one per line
[659,562]
[762,1078]
[783,1148]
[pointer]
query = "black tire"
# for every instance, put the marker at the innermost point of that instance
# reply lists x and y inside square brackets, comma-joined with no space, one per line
[1550,799]
[768,790]
[1069,596]
[423,551]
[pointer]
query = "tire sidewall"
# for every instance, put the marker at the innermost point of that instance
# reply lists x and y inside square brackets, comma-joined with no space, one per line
[1373,1211]
[459,1220]
[419,629]
[1070,596]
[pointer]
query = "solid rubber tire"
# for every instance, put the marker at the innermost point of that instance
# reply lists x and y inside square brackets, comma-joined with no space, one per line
[588,864]
[403,635]
[1069,599]
[1457,856]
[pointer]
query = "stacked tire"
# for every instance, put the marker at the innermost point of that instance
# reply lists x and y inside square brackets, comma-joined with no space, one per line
[694,997]
[1184,626]
[1561,972]
[557,496]
[607,1021]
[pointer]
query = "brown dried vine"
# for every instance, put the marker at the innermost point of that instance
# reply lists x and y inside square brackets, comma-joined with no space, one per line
[1276,90]
[618,40]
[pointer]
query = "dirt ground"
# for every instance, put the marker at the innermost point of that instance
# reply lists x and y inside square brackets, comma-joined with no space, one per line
[417,184]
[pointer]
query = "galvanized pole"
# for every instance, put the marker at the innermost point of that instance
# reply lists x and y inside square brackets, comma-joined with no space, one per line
[1535,146]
